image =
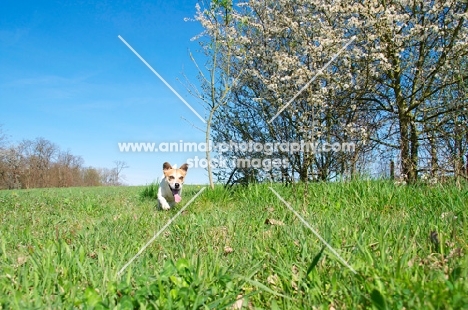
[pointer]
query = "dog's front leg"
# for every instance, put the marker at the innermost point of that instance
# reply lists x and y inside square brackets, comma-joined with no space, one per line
[162,202]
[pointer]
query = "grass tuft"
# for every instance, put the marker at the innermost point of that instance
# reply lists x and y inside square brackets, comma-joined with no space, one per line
[150,191]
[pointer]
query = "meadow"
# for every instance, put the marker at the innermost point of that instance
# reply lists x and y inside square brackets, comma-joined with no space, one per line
[238,247]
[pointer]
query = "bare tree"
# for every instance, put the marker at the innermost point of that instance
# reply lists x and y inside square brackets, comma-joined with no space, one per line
[3,137]
[66,170]
[218,76]
[39,154]
[119,166]
[11,162]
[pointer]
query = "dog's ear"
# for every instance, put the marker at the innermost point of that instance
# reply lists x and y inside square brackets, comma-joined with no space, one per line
[167,166]
[184,167]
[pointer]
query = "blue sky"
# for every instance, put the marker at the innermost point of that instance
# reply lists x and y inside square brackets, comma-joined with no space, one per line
[67,77]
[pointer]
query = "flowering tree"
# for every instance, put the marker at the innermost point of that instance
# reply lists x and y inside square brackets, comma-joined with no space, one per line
[383,89]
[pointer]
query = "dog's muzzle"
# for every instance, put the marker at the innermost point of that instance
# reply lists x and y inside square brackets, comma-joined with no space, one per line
[176,193]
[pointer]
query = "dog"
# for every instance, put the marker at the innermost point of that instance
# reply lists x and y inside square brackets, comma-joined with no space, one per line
[170,188]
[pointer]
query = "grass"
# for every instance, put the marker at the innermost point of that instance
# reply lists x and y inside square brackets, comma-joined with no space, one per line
[62,248]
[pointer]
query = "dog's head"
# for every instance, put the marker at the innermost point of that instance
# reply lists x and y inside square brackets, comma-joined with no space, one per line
[175,178]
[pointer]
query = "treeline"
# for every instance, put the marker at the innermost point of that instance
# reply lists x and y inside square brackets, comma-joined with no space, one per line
[40,163]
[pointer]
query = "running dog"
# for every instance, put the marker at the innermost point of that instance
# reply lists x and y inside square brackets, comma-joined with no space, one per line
[170,188]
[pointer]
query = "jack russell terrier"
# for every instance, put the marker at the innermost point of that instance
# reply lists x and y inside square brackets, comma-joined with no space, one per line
[170,188]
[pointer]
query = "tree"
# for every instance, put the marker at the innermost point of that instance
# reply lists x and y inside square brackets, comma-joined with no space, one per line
[413,50]
[66,170]
[277,53]
[119,166]
[91,177]
[3,138]
[11,162]
[38,155]
[217,77]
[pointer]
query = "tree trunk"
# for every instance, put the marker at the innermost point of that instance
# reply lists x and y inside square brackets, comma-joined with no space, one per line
[354,161]
[414,143]
[434,160]
[404,146]
[208,148]
[392,170]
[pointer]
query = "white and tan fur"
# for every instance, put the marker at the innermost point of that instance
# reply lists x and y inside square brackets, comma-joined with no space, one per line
[170,188]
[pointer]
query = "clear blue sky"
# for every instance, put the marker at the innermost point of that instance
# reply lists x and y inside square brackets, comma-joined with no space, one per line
[67,77]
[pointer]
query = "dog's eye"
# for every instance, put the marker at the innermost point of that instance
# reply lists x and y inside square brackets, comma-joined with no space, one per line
[181,178]
[171,178]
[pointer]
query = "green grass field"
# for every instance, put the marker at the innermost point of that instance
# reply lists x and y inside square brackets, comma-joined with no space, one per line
[62,248]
